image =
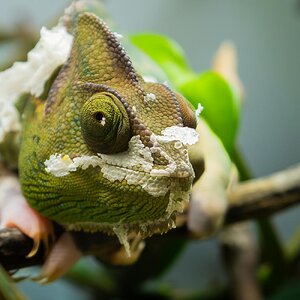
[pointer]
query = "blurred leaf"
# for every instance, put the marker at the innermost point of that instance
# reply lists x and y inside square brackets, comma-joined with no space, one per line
[209,88]
[8,289]
[143,63]
[293,246]
[165,52]
[163,250]
[89,274]
[290,291]
[220,106]
[272,252]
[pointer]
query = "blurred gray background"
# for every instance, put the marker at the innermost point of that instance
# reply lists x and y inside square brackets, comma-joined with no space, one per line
[267,37]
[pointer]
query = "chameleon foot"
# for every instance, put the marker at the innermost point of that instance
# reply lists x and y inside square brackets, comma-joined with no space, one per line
[61,258]
[15,212]
[209,201]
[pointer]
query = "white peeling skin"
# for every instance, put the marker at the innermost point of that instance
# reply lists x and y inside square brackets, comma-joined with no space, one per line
[51,51]
[121,258]
[133,165]
[150,97]
[185,135]
[62,257]
[176,197]
[136,156]
[199,110]
[122,235]
[157,186]
[9,119]
[209,201]
[137,167]
[59,165]
[113,173]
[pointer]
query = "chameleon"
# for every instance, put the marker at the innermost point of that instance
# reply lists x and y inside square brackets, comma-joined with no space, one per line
[100,148]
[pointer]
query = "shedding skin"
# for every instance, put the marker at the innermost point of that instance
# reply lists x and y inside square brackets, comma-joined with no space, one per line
[97,81]
[98,69]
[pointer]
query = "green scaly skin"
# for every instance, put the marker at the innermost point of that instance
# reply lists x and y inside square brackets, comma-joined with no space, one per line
[99,78]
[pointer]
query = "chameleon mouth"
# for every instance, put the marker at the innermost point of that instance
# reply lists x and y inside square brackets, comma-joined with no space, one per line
[126,231]
[144,229]
[167,186]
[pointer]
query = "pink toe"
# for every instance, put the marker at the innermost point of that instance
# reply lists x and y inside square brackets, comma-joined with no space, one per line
[16,212]
[62,257]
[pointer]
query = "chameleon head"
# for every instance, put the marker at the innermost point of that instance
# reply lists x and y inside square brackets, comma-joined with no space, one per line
[109,151]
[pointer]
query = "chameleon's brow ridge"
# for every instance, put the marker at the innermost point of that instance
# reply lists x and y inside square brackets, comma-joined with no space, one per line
[110,40]
[95,48]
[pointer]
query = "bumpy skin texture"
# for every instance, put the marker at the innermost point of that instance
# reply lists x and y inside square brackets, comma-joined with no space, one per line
[99,107]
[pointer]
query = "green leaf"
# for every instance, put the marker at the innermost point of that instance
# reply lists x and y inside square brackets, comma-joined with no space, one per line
[166,53]
[291,291]
[8,289]
[220,106]
[209,88]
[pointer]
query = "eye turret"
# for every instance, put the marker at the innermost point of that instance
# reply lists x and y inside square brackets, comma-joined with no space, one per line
[105,124]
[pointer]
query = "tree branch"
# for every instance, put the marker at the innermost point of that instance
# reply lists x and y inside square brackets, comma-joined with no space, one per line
[14,246]
[248,200]
[264,196]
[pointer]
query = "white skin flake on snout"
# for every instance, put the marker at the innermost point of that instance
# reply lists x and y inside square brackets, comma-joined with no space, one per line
[179,137]
[60,166]
[135,165]
[138,157]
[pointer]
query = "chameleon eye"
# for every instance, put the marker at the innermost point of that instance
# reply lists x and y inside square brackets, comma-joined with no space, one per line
[105,124]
